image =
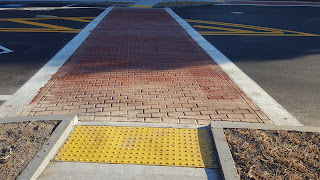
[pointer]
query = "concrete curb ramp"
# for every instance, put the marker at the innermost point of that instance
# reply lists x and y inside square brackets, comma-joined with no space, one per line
[125,145]
[43,166]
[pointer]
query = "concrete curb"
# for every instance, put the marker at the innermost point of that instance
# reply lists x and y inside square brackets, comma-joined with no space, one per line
[222,125]
[35,118]
[224,155]
[49,150]
[271,108]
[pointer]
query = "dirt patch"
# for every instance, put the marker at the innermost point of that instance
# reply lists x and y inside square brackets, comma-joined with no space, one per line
[264,154]
[19,143]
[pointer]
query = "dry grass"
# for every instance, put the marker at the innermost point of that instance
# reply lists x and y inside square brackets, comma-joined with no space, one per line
[19,143]
[263,154]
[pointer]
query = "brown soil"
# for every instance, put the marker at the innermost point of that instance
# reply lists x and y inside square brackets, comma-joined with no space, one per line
[263,154]
[19,143]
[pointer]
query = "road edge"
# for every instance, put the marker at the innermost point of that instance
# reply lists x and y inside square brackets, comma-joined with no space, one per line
[30,89]
[270,107]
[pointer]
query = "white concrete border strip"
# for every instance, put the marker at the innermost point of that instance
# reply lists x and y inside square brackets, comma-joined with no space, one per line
[138,124]
[48,151]
[5,97]
[84,171]
[30,89]
[272,109]
[221,124]
[225,158]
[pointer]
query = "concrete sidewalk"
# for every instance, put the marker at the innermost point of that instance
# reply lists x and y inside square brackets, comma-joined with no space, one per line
[139,65]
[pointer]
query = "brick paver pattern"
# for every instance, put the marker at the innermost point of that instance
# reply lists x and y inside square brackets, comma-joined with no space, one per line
[140,65]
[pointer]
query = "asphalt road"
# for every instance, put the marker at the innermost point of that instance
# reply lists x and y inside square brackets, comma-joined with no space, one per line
[286,64]
[35,40]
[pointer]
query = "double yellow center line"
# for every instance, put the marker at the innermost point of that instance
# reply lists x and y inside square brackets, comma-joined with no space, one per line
[44,27]
[223,28]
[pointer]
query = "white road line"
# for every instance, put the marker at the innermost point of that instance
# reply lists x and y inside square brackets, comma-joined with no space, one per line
[45,16]
[29,90]
[236,12]
[69,5]
[4,50]
[5,97]
[265,102]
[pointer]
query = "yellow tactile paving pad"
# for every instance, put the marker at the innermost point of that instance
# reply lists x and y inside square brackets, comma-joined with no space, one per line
[139,145]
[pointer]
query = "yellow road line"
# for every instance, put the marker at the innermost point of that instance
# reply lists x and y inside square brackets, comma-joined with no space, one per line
[236,25]
[261,34]
[55,27]
[43,18]
[48,27]
[38,30]
[266,29]
[229,30]
[77,19]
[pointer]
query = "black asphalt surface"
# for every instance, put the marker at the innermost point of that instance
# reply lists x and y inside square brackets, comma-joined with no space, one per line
[288,68]
[33,49]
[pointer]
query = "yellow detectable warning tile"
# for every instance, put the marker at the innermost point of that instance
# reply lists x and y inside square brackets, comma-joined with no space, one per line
[139,145]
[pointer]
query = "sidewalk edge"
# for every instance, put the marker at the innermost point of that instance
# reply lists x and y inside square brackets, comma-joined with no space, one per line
[225,158]
[49,150]
[30,89]
[222,125]
[272,109]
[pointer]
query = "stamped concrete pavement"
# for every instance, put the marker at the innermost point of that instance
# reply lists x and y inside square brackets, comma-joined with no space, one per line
[140,65]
